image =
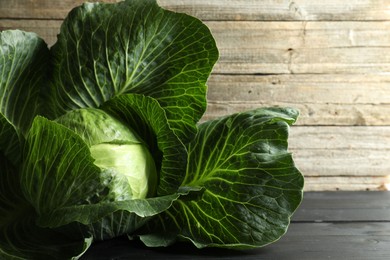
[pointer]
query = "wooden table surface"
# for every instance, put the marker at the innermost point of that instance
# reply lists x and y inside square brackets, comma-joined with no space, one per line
[328,225]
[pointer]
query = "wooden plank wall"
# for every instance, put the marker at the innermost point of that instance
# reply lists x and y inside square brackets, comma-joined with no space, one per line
[330,59]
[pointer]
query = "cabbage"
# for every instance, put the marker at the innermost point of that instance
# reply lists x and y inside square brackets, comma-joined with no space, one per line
[100,137]
[116,149]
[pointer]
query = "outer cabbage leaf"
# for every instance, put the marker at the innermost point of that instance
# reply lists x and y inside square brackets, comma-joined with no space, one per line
[58,170]
[20,237]
[148,119]
[23,64]
[107,220]
[104,50]
[250,184]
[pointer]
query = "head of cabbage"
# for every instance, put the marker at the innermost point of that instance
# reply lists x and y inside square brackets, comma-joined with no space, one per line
[103,135]
[117,150]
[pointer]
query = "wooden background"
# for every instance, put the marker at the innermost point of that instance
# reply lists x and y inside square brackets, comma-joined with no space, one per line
[330,59]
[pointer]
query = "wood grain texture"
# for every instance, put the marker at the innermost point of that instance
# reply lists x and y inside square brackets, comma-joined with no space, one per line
[323,99]
[273,10]
[288,10]
[345,183]
[344,206]
[342,158]
[302,47]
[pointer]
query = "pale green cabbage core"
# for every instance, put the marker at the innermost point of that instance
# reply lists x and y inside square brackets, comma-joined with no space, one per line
[130,161]
[127,166]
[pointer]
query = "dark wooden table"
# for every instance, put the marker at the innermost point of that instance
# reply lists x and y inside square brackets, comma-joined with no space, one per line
[328,225]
